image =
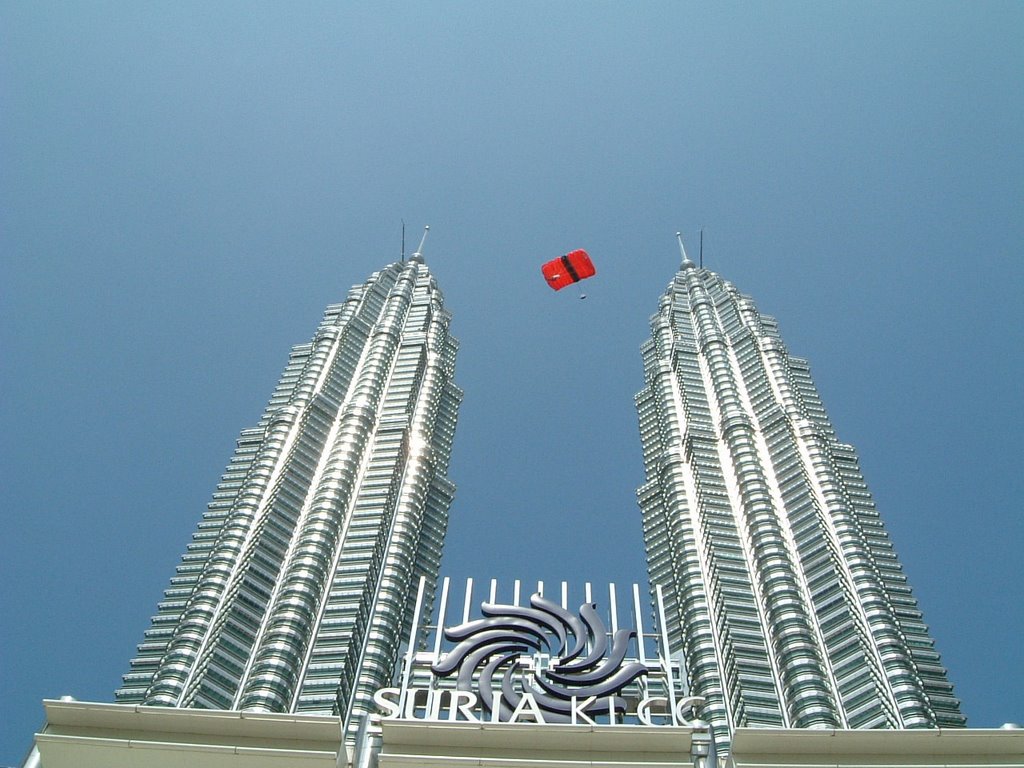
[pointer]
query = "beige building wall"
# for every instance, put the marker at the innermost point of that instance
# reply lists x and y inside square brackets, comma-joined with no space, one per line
[90,735]
[931,748]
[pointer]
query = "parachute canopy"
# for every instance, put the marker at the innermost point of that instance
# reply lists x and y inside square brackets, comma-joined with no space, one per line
[568,269]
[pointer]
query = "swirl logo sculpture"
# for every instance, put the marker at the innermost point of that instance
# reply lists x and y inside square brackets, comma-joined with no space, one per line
[491,648]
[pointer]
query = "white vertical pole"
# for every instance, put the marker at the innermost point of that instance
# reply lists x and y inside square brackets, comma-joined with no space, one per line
[410,652]
[439,629]
[438,632]
[638,617]
[666,654]
[614,608]
[469,600]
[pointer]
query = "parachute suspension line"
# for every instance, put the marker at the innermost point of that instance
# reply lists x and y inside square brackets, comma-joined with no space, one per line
[419,251]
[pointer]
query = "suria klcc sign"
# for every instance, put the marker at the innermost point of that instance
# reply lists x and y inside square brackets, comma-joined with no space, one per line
[535,660]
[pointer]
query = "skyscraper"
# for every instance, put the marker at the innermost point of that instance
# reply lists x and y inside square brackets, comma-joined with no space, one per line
[780,582]
[302,575]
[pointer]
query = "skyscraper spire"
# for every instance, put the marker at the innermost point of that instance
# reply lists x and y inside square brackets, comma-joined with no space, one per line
[301,577]
[423,241]
[781,583]
[682,250]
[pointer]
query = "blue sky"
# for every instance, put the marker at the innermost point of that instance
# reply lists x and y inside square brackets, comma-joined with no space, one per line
[186,185]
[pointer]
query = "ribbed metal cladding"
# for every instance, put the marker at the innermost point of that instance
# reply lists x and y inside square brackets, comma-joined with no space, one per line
[299,584]
[781,585]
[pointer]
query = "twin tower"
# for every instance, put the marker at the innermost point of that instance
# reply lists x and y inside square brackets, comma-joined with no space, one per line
[779,586]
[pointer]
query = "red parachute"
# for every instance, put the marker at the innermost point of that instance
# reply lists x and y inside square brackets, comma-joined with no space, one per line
[566,270]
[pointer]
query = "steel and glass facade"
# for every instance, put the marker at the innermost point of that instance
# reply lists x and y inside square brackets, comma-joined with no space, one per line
[782,587]
[302,576]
